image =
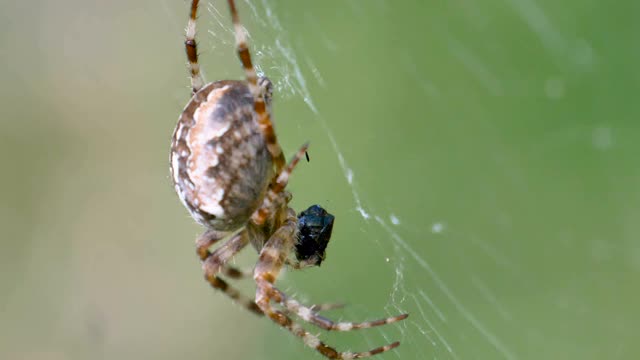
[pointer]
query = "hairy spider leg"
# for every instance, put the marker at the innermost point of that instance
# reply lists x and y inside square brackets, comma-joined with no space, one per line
[215,262]
[223,254]
[261,215]
[262,114]
[307,314]
[197,82]
[270,262]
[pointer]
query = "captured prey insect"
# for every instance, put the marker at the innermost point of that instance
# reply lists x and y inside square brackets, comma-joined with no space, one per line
[229,171]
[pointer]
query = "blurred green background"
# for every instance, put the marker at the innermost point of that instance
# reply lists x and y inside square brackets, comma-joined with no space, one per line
[481,159]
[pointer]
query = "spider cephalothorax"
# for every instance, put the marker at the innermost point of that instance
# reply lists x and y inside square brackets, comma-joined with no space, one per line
[229,171]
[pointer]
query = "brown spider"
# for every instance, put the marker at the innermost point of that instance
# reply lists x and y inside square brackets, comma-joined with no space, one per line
[229,171]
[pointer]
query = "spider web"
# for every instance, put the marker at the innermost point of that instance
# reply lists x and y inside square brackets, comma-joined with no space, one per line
[481,159]
[404,265]
[410,112]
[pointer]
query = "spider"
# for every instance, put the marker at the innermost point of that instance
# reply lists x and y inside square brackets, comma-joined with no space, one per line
[230,173]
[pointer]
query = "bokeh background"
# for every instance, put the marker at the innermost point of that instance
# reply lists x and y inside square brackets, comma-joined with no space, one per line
[481,159]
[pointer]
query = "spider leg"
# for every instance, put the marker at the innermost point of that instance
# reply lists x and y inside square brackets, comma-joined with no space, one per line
[235,273]
[309,315]
[272,257]
[326,307]
[283,177]
[223,254]
[316,308]
[192,49]
[263,116]
[261,215]
[215,262]
[313,341]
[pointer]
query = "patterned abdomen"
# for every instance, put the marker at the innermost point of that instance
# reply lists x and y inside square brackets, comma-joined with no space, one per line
[220,165]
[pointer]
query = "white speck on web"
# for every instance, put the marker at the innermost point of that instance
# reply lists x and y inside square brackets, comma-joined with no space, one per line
[350,176]
[363,212]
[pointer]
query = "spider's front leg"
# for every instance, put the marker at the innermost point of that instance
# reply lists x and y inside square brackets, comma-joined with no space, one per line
[272,258]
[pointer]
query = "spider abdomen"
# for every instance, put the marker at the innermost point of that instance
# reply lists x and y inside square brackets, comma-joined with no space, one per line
[220,164]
